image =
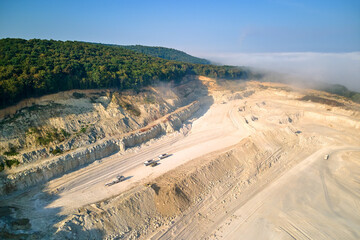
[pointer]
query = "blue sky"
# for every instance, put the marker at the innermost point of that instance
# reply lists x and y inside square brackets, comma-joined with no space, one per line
[193,26]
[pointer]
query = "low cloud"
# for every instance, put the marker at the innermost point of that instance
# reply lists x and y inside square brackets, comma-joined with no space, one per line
[341,68]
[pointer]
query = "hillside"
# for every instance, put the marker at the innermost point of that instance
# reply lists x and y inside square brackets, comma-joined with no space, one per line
[339,90]
[241,154]
[167,53]
[32,68]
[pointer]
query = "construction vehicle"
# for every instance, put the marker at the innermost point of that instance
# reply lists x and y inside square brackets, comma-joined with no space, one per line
[153,164]
[119,178]
[148,162]
[164,155]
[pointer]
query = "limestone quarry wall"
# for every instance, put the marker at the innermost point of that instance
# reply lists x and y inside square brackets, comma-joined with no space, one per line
[62,164]
[39,129]
[56,166]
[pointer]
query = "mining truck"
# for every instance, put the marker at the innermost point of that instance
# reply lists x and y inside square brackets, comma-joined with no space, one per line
[119,178]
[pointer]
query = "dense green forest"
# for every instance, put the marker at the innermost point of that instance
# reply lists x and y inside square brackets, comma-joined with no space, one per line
[167,53]
[31,68]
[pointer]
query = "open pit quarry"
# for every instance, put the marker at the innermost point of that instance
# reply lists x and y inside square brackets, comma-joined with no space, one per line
[247,160]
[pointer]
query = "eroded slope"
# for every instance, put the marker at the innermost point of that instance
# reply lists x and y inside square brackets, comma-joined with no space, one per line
[253,135]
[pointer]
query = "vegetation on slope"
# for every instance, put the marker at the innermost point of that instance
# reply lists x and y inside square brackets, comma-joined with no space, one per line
[31,68]
[167,53]
[341,91]
[322,100]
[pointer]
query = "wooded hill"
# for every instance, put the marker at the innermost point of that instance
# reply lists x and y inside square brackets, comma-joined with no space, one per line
[31,68]
[167,53]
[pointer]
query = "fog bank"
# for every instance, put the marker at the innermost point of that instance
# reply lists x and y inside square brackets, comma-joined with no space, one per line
[341,68]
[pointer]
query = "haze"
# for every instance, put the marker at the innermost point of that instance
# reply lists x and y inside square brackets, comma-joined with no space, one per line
[341,68]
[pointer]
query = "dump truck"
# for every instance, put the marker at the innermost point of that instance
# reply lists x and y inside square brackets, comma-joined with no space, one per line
[153,164]
[164,155]
[119,178]
[148,162]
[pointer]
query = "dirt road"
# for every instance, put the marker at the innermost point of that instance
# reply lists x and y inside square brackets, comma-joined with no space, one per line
[217,129]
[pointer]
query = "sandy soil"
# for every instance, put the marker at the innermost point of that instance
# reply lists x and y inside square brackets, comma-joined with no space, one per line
[303,197]
[318,199]
[315,199]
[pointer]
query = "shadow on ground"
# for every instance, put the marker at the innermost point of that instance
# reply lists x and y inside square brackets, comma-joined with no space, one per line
[24,215]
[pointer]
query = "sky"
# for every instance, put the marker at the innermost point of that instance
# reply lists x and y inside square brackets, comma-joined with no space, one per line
[218,30]
[194,26]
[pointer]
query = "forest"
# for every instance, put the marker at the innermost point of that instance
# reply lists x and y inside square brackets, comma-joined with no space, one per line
[32,68]
[167,53]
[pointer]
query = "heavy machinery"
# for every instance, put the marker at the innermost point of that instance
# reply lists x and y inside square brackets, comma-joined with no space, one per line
[119,178]
[164,155]
[148,162]
[153,164]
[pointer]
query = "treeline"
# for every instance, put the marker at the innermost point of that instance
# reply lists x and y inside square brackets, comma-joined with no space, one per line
[31,68]
[167,53]
[341,91]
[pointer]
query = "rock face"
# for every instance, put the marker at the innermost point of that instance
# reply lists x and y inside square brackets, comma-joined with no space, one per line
[62,164]
[59,132]
[77,118]
[57,166]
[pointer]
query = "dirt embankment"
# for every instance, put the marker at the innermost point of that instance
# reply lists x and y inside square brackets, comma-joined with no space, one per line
[70,120]
[154,208]
[32,175]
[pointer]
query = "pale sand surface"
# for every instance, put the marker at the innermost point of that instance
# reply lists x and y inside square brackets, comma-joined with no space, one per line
[318,199]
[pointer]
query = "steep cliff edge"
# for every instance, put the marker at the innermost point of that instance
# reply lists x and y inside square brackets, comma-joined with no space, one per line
[23,178]
[67,130]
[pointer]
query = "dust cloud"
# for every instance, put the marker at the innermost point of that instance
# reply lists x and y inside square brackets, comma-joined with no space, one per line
[339,68]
